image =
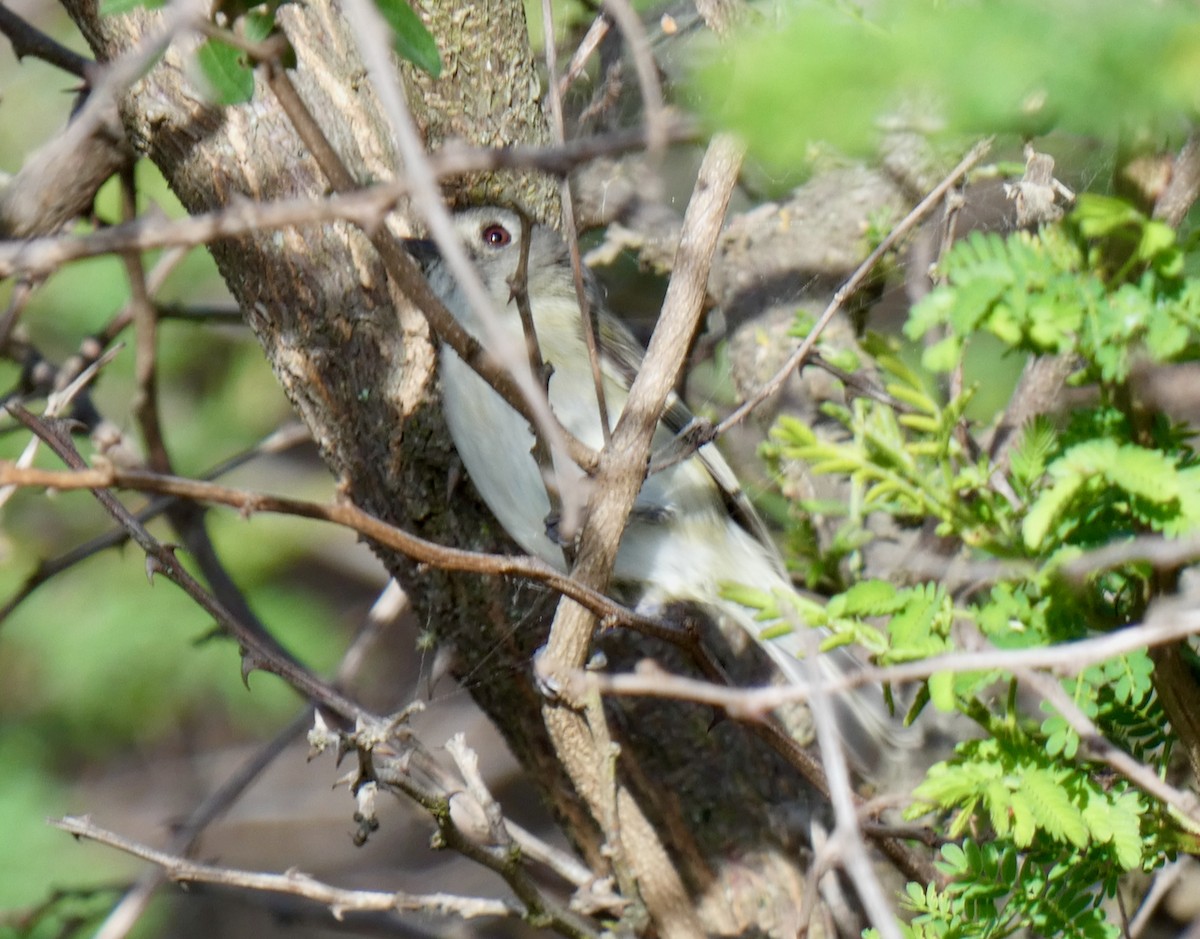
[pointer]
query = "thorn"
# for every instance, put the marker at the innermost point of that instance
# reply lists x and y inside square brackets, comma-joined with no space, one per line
[251,662]
[156,565]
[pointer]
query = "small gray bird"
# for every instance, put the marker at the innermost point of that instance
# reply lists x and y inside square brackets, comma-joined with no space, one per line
[692,530]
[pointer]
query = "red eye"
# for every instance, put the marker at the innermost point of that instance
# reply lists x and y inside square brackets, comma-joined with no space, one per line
[496,235]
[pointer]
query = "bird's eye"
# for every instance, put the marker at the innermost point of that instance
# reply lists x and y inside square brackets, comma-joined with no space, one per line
[496,235]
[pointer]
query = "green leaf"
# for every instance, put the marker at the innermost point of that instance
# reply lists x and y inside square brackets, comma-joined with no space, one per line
[1098,216]
[258,25]
[412,41]
[1052,808]
[1019,818]
[116,7]
[1157,238]
[941,691]
[868,598]
[1043,514]
[944,355]
[1166,336]
[1117,823]
[229,77]
[1029,457]
[751,597]
[1146,473]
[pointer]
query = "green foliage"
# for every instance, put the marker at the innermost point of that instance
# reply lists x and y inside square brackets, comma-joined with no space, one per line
[1107,285]
[411,40]
[117,7]
[1047,831]
[999,890]
[829,73]
[226,72]
[230,78]
[1042,805]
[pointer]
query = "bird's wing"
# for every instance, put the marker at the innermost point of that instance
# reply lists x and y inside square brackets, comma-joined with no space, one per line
[626,357]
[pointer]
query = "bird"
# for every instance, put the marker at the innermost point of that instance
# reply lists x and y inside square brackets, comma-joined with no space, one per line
[692,529]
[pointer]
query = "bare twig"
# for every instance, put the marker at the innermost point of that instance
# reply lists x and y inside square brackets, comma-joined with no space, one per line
[621,464]
[364,207]
[22,291]
[293,883]
[56,404]
[587,315]
[467,762]
[1164,881]
[581,741]
[124,916]
[162,560]
[1098,747]
[1167,623]
[847,844]
[630,25]
[345,514]
[847,290]
[27,39]
[283,439]
[59,181]
[587,46]
[436,791]
[145,404]
[1181,192]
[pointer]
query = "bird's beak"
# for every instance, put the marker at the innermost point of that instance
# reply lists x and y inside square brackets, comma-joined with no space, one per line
[424,251]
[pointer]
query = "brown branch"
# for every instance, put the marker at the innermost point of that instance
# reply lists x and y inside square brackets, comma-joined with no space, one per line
[750,704]
[1166,623]
[581,740]
[145,402]
[286,437]
[399,769]
[570,233]
[162,560]
[365,206]
[588,45]
[451,803]
[59,180]
[1096,746]
[124,916]
[27,39]
[345,514]
[293,883]
[646,69]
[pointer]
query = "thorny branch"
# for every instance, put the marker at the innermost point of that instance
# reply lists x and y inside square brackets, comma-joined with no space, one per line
[341,513]
[28,40]
[396,772]
[339,901]
[260,651]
